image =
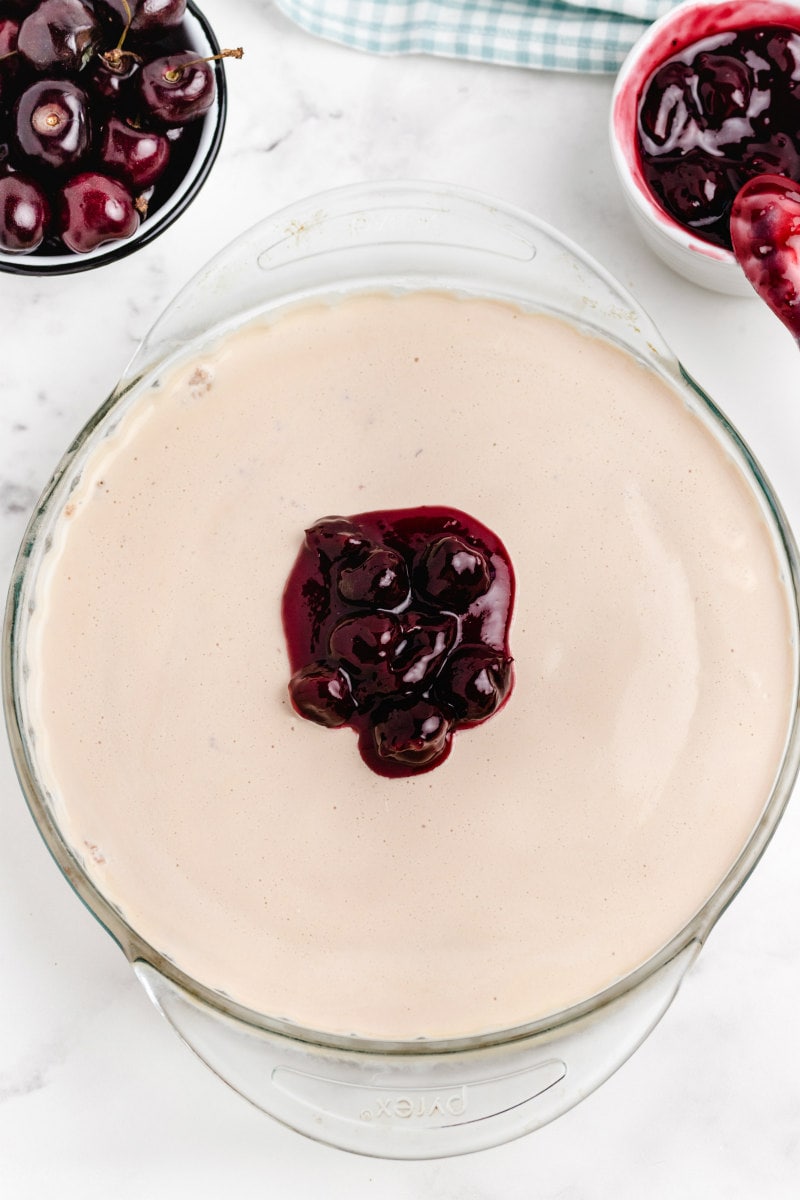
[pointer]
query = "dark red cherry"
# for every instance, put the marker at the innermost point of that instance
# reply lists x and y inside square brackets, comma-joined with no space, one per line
[695,191]
[363,645]
[364,640]
[9,32]
[321,693]
[378,580]
[724,87]
[452,573]
[51,123]
[414,734]
[776,156]
[149,17]
[136,156]
[59,33]
[474,682]
[668,104]
[154,15]
[95,209]
[24,214]
[177,89]
[111,75]
[422,647]
[335,537]
[9,59]
[783,49]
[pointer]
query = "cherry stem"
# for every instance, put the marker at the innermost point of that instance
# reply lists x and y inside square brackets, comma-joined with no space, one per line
[10,54]
[124,34]
[115,58]
[175,73]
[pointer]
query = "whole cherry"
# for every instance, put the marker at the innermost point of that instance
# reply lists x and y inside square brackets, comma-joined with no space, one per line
[9,58]
[379,579]
[364,645]
[321,693]
[415,734]
[58,33]
[422,647]
[724,86]
[335,537]
[148,17]
[51,123]
[668,106]
[111,74]
[95,209]
[136,156]
[9,34]
[179,87]
[698,193]
[777,155]
[24,214]
[452,573]
[475,681]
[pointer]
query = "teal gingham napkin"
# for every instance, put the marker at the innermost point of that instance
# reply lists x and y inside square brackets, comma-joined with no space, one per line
[559,35]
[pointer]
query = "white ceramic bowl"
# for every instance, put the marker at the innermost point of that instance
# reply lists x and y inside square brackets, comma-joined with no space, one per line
[699,261]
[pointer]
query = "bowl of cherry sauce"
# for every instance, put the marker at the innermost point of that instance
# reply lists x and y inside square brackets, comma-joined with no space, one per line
[708,99]
[111,116]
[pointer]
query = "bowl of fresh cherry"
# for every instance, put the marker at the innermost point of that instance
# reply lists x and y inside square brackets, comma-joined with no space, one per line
[111,117]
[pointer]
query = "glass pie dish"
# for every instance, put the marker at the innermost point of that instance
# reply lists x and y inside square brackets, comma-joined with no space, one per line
[437,1096]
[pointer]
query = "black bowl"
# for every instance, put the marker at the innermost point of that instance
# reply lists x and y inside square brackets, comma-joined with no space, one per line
[192,158]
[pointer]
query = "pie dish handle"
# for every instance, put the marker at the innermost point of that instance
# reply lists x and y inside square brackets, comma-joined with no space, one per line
[397,236]
[411,1105]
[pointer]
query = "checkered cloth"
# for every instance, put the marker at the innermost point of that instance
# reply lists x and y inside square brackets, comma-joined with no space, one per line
[559,35]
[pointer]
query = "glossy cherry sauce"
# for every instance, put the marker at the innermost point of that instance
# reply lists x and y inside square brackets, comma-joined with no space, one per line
[718,113]
[765,230]
[396,625]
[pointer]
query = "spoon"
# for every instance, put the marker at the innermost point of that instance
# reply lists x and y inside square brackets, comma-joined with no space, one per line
[765,231]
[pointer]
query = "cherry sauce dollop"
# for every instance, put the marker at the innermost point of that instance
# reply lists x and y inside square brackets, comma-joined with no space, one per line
[396,625]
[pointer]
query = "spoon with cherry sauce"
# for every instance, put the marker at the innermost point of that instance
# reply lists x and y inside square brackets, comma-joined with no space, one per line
[765,232]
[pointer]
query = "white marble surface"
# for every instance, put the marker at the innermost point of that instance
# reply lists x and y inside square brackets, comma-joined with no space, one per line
[97,1096]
